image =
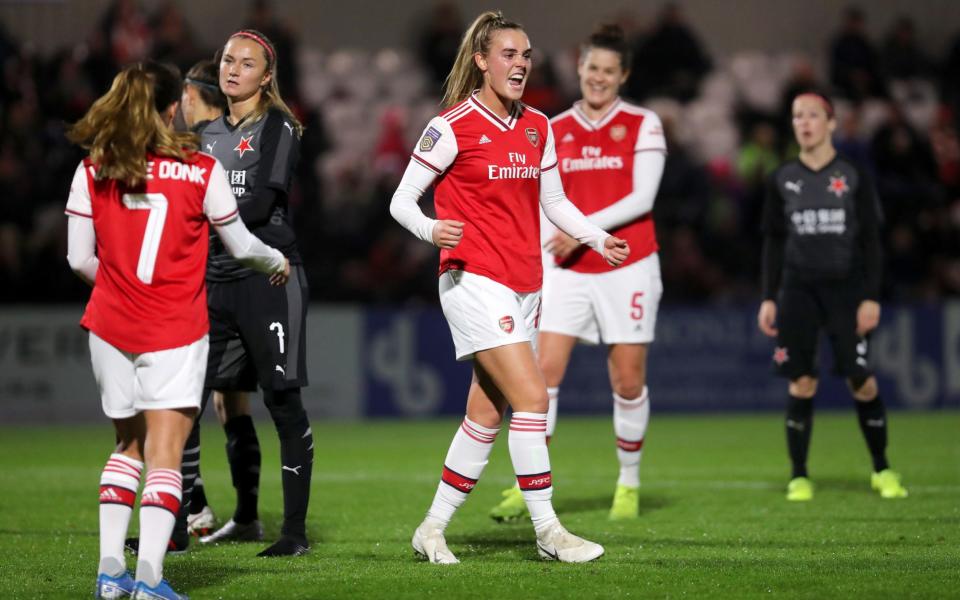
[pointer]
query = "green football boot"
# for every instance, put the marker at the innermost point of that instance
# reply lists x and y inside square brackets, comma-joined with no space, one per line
[800,489]
[626,503]
[511,508]
[887,482]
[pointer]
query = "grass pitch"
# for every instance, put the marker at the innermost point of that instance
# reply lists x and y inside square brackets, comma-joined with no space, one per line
[714,522]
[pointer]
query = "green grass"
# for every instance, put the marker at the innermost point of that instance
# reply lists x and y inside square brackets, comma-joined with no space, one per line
[714,522]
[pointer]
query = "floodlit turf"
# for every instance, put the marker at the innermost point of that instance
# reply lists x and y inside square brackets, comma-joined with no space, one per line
[713,519]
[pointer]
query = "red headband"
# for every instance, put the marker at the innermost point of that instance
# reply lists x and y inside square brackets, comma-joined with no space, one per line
[827,105]
[258,40]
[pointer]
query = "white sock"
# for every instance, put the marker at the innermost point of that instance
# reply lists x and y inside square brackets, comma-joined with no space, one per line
[159,504]
[552,394]
[119,482]
[630,419]
[531,463]
[466,458]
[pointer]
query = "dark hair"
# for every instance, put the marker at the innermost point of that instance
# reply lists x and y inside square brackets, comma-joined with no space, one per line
[822,97]
[609,36]
[205,77]
[167,85]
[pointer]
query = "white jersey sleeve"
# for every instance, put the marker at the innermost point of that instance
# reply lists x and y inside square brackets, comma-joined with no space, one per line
[650,136]
[219,203]
[437,148]
[78,202]
[549,159]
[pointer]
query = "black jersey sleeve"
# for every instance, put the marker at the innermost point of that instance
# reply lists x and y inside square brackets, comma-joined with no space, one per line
[280,147]
[870,218]
[774,239]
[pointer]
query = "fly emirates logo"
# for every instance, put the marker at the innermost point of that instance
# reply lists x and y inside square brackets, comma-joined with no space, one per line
[591,159]
[518,168]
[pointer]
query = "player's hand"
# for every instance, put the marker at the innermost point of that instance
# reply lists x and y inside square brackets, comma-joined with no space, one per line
[615,250]
[280,279]
[447,234]
[561,245]
[767,318]
[868,317]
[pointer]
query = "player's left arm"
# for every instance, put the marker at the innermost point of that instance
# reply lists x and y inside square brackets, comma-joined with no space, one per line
[869,218]
[81,235]
[280,149]
[650,156]
[567,217]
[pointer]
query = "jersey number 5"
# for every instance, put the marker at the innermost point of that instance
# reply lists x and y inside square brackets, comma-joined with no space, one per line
[157,205]
[636,306]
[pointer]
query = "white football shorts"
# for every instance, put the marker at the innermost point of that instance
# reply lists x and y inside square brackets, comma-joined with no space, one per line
[484,314]
[166,379]
[617,307]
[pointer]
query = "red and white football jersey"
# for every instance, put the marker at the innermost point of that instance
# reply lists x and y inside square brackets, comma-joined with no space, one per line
[596,166]
[489,178]
[152,245]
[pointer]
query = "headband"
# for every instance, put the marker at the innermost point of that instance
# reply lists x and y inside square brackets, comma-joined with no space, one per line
[203,84]
[258,40]
[827,105]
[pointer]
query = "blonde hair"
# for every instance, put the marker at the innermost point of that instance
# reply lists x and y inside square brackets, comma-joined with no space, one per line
[124,125]
[465,76]
[270,94]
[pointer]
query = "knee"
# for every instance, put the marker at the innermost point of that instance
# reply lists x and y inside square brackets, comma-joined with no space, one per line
[286,409]
[629,390]
[803,387]
[864,389]
[485,416]
[552,370]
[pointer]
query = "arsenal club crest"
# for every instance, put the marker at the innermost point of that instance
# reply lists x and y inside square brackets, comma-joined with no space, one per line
[618,132]
[780,355]
[244,146]
[533,135]
[838,185]
[506,323]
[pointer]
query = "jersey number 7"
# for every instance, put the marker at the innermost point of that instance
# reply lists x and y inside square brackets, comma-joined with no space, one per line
[157,205]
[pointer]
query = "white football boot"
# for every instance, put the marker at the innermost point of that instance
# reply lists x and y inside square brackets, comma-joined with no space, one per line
[235,532]
[202,523]
[556,543]
[428,542]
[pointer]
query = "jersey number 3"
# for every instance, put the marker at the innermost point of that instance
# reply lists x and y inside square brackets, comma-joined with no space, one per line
[157,205]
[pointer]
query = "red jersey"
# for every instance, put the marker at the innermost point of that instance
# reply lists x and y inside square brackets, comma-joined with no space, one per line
[152,245]
[596,166]
[489,178]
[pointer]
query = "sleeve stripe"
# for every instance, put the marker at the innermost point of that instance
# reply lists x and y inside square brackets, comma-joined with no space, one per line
[225,218]
[553,166]
[77,214]
[650,149]
[426,164]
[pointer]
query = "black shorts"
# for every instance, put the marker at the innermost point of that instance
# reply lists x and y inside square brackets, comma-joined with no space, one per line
[257,333]
[806,309]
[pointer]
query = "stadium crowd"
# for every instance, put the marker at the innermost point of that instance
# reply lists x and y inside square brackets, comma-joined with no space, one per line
[726,121]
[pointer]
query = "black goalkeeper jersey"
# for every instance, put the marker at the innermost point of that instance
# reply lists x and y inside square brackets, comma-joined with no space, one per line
[259,158]
[821,225]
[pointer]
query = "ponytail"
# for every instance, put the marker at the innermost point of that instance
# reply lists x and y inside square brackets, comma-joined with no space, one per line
[465,76]
[124,125]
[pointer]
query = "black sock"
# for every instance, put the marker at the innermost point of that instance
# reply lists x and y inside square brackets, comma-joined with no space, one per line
[873,423]
[296,456]
[799,426]
[243,452]
[189,470]
[198,500]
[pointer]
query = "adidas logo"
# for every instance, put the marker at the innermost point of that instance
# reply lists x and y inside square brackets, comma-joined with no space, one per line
[567,138]
[484,139]
[109,495]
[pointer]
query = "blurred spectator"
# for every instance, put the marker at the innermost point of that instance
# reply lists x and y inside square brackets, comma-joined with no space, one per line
[902,56]
[854,64]
[670,61]
[174,41]
[440,39]
[263,20]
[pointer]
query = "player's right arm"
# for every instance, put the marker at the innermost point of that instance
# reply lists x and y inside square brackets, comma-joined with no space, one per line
[434,154]
[220,207]
[81,236]
[774,243]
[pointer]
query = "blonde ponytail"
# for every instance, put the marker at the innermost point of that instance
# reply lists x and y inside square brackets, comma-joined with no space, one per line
[465,76]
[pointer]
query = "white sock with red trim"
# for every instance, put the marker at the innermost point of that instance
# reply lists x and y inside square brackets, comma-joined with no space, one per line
[531,463]
[119,482]
[630,419]
[552,395]
[159,504]
[466,458]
